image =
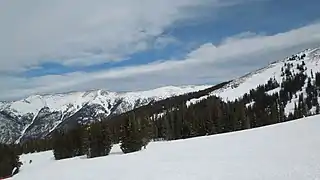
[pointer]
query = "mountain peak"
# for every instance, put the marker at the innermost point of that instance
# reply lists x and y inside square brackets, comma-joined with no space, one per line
[238,87]
[40,114]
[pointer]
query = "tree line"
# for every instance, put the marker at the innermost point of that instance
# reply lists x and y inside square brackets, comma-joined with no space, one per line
[210,116]
[9,160]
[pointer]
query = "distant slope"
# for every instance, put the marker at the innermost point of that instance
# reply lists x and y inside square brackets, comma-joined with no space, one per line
[38,115]
[240,86]
[286,151]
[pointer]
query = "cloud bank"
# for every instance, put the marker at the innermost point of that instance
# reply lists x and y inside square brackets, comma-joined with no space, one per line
[72,31]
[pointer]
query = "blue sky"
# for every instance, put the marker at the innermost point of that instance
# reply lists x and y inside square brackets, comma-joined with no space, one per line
[123,45]
[267,17]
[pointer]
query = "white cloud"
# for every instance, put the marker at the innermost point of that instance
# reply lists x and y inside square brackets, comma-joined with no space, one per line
[243,35]
[83,32]
[207,64]
[255,44]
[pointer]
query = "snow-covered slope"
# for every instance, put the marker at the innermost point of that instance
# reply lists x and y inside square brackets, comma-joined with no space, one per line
[238,87]
[38,115]
[287,151]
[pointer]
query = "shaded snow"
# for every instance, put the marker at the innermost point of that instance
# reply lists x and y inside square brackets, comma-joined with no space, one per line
[287,151]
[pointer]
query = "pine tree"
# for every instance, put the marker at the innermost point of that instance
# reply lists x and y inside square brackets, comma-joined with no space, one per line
[317,109]
[99,140]
[9,160]
[66,144]
[85,141]
[58,145]
[131,139]
[76,141]
[106,143]
[274,116]
[282,116]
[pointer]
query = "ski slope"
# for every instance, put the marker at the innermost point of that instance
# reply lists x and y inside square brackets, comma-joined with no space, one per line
[287,151]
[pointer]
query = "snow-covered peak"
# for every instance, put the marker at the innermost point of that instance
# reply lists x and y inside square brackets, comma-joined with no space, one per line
[165,92]
[76,100]
[40,114]
[242,85]
[275,70]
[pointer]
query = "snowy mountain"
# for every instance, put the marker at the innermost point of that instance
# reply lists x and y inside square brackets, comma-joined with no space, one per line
[38,115]
[276,71]
[286,151]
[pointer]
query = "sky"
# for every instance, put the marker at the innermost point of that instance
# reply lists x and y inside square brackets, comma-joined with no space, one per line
[129,45]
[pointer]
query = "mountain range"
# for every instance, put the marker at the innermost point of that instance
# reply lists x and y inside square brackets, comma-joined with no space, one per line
[38,115]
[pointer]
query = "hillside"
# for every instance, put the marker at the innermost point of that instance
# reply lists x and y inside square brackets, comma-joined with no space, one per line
[240,86]
[286,151]
[38,115]
[285,90]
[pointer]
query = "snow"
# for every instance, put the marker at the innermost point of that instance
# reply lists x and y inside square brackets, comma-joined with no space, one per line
[196,100]
[273,91]
[250,104]
[75,100]
[286,151]
[251,81]
[69,103]
[239,87]
[24,130]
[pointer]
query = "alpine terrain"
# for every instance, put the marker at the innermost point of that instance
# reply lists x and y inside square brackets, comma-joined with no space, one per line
[36,116]
[84,125]
[160,90]
[301,68]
